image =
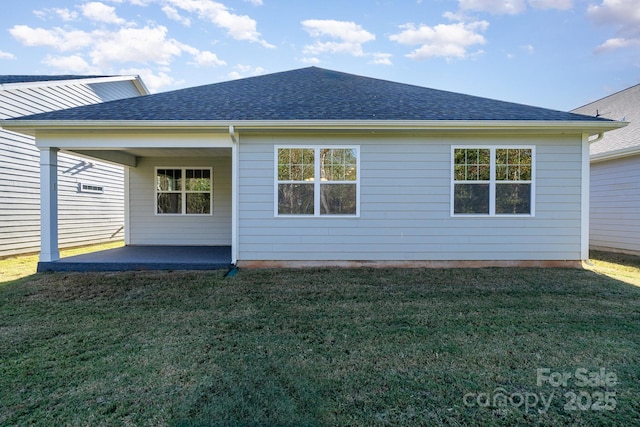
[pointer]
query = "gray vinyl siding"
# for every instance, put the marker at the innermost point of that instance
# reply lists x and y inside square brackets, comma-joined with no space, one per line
[84,218]
[615,204]
[147,228]
[405,185]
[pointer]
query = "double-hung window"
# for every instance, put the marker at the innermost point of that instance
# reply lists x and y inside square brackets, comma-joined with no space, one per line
[493,180]
[317,181]
[184,191]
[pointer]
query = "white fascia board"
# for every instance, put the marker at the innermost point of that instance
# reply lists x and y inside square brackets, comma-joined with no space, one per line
[30,127]
[89,80]
[617,154]
[139,84]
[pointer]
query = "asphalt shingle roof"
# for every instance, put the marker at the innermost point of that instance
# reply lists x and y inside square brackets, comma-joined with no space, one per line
[33,78]
[308,94]
[621,105]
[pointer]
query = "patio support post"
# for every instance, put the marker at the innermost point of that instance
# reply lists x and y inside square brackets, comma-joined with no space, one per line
[49,205]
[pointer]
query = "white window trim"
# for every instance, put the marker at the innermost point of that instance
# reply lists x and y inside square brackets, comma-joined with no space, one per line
[316,181]
[493,181]
[182,191]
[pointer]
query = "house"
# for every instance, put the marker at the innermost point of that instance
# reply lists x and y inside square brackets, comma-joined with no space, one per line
[90,192]
[615,175]
[318,167]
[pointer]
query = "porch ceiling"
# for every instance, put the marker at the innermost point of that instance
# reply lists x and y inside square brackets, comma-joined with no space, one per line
[129,156]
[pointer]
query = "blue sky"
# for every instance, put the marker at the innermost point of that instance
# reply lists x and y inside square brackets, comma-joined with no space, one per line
[557,54]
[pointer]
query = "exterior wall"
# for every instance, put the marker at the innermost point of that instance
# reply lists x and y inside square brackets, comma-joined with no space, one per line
[615,205]
[84,218]
[147,228]
[405,205]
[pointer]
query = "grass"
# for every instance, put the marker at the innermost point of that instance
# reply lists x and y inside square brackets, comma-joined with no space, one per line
[17,267]
[320,347]
[625,268]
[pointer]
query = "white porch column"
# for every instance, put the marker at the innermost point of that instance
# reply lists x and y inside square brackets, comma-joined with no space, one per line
[235,164]
[49,205]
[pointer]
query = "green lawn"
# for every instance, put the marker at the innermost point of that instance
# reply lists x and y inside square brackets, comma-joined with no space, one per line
[322,347]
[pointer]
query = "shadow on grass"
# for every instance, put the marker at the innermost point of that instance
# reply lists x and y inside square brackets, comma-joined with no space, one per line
[18,281]
[627,260]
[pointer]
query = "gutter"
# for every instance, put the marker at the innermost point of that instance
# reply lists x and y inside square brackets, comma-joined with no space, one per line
[29,127]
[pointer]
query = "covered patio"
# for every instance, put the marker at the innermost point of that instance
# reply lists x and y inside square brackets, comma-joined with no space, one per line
[132,258]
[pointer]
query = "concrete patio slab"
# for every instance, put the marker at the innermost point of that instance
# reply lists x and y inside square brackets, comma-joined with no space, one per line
[132,258]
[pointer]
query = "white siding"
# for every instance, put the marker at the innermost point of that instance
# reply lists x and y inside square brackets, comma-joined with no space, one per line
[405,206]
[615,205]
[147,228]
[84,218]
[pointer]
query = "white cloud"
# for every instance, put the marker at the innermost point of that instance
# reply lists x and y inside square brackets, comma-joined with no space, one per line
[255,2]
[624,16]
[350,37]
[6,55]
[496,7]
[74,64]
[242,71]
[623,13]
[617,43]
[106,48]
[239,27]
[173,14]
[310,60]
[382,59]
[141,45]
[448,41]
[529,49]
[512,7]
[64,14]
[100,12]
[207,59]
[62,40]
[551,4]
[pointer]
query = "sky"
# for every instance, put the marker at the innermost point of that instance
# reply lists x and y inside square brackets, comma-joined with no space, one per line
[558,54]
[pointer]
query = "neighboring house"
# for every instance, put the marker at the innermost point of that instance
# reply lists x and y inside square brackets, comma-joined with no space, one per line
[615,175]
[314,166]
[91,196]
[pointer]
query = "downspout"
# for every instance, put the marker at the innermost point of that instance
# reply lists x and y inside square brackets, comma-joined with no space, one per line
[598,138]
[235,149]
[586,196]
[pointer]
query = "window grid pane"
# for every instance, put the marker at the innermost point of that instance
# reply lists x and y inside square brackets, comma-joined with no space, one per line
[513,198]
[472,164]
[338,164]
[295,164]
[471,199]
[338,199]
[508,192]
[316,181]
[513,164]
[184,191]
[295,199]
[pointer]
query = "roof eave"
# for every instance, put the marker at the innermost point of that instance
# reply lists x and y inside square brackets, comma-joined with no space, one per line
[137,81]
[616,154]
[30,127]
